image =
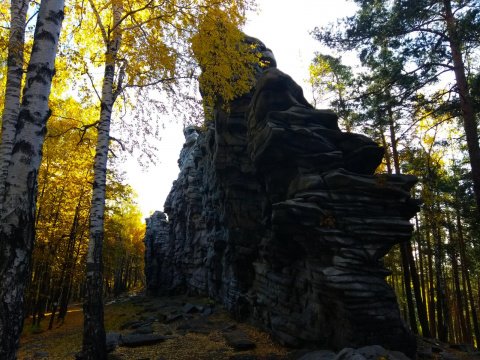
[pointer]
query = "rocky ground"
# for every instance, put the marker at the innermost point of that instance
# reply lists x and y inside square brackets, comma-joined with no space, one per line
[176,328]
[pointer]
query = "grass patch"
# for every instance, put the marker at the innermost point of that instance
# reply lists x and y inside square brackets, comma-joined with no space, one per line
[33,329]
[65,339]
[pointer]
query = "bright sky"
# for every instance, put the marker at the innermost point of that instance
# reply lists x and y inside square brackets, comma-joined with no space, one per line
[283,26]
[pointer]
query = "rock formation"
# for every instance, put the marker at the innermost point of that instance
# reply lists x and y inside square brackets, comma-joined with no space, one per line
[278,215]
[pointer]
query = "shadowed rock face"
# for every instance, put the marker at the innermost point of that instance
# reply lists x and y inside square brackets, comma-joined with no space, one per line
[276,214]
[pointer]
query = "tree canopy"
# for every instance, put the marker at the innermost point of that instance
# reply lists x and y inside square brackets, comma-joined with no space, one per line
[142,52]
[428,40]
[416,93]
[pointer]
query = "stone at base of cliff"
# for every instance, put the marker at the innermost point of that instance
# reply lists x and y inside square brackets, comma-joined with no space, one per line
[374,352]
[141,340]
[112,339]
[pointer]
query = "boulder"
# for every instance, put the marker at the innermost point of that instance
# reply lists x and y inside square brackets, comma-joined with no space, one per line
[144,329]
[113,339]
[135,340]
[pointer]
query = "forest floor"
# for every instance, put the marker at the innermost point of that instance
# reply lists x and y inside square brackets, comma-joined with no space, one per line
[192,329]
[185,338]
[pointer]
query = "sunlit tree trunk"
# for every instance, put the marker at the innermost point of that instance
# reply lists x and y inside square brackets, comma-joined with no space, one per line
[387,150]
[16,41]
[94,343]
[94,346]
[17,222]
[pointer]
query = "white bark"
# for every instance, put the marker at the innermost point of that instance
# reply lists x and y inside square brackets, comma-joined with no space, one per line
[17,230]
[16,40]
[94,347]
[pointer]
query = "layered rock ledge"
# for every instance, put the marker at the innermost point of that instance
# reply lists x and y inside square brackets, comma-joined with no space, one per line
[278,215]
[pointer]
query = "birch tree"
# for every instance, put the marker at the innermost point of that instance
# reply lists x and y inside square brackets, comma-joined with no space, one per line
[18,10]
[17,215]
[150,44]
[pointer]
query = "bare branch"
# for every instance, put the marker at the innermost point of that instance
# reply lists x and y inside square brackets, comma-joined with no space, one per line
[93,84]
[118,141]
[165,80]
[129,13]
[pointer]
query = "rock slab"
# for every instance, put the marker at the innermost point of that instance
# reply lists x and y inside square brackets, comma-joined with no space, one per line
[135,340]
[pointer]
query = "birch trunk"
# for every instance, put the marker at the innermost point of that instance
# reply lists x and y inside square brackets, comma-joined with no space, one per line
[94,342]
[17,227]
[94,346]
[16,40]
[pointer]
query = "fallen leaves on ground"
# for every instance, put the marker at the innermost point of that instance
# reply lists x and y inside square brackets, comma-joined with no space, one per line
[64,340]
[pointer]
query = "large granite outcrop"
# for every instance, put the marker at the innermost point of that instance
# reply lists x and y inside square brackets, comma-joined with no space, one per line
[278,215]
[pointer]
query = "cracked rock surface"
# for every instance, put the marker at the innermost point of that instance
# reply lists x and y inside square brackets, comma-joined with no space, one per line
[277,214]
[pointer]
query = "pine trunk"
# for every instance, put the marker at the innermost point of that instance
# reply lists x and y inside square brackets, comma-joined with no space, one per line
[442,313]
[403,246]
[466,274]
[387,150]
[466,103]
[17,223]
[459,302]
[117,279]
[464,334]
[421,309]
[420,260]
[431,292]
[408,289]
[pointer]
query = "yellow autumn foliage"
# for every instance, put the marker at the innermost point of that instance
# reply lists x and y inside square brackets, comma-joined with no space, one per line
[4,33]
[226,61]
[160,45]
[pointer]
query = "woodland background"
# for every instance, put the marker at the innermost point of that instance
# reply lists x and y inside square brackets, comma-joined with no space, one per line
[408,94]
